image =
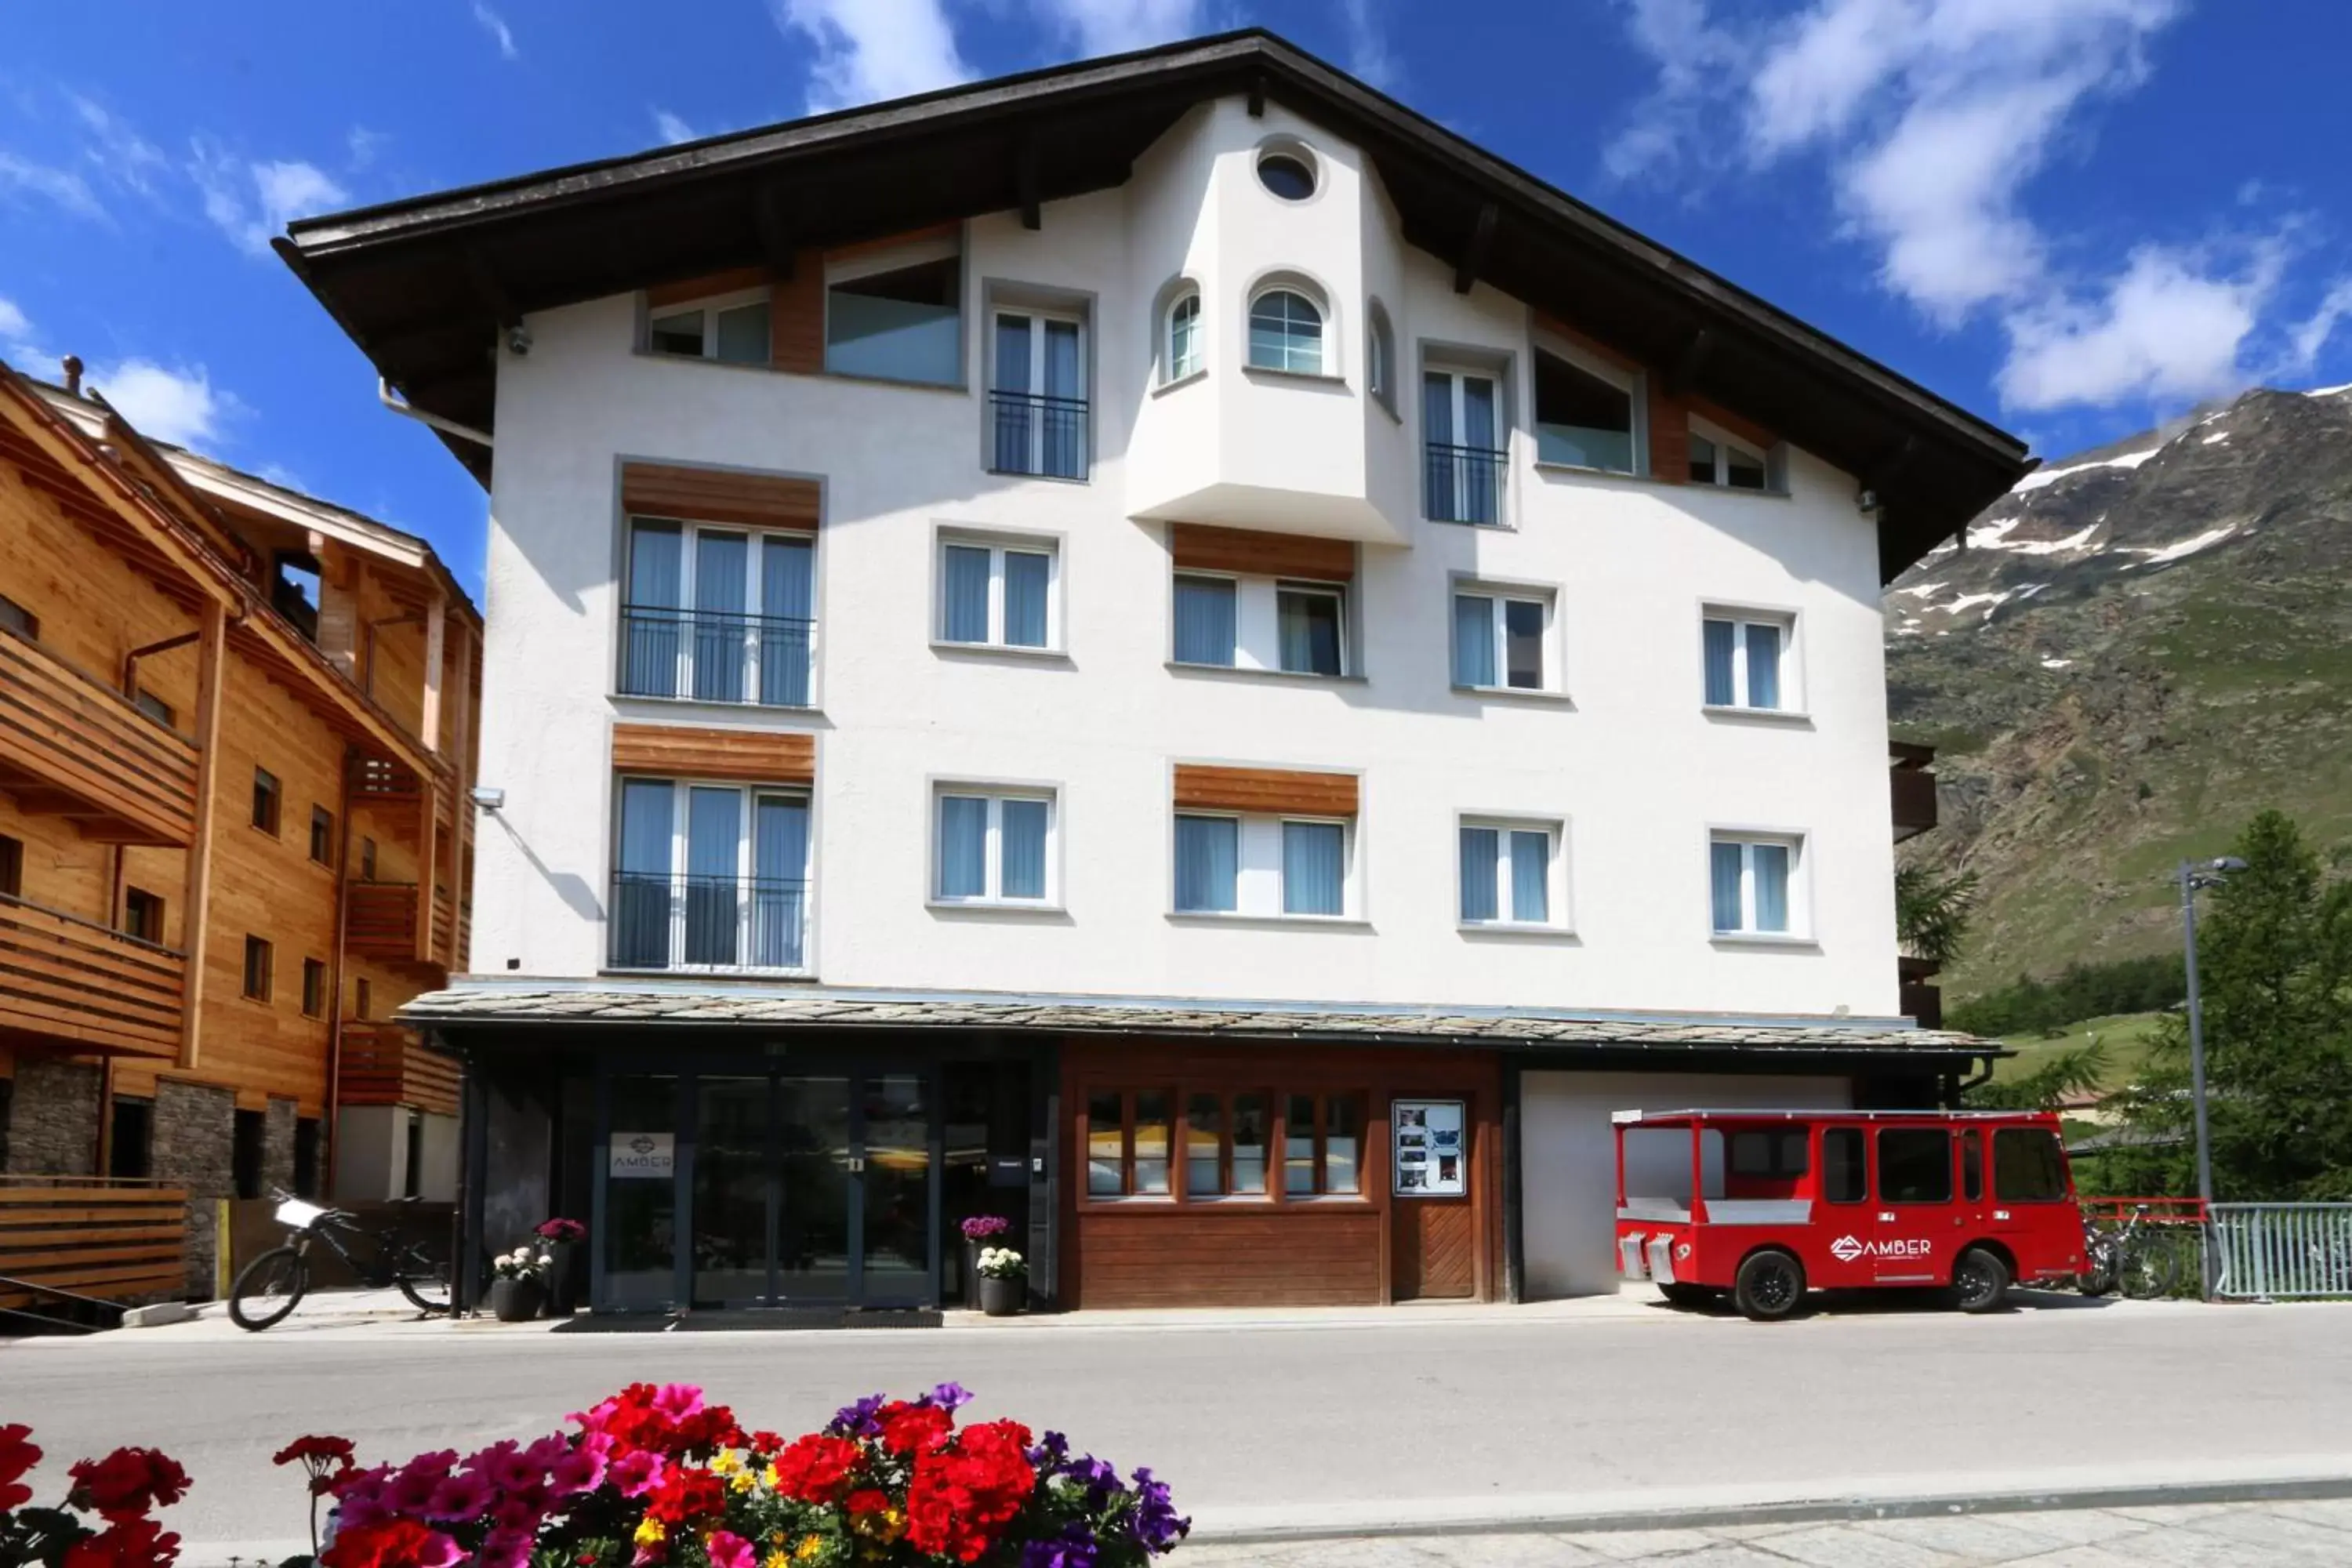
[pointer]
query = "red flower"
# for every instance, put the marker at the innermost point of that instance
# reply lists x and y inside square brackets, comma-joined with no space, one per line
[127,1544]
[687,1494]
[391,1544]
[328,1460]
[127,1483]
[964,1493]
[16,1457]
[670,1420]
[914,1428]
[817,1467]
[866,1501]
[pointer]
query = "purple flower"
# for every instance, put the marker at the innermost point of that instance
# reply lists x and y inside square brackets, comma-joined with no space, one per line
[460,1499]
[504,1548]
[581,1470]
[1156,1524]
[1074,1548]
[1050,1452]
[980,1228]
[1099,1476]
[950,1396]
[863,1419]
[511,1468]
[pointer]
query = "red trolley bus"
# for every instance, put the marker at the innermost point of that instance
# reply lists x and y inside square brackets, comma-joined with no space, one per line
[1764,1206]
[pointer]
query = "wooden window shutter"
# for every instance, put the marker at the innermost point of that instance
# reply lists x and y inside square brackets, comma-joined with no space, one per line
[1252,552]
[717,495]
[752,756]
[1268,790]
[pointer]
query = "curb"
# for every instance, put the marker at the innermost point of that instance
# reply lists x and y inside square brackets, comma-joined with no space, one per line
[1815,1510]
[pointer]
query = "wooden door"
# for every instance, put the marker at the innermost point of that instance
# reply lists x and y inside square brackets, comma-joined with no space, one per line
[1433,1249]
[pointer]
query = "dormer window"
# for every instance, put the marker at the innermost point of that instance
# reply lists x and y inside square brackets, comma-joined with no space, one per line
[1285,333]
[732,329]
[1586,415]
[1718,458]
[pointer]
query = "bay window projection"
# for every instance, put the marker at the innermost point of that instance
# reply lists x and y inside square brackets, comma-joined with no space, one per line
[994,847]
[1253,623]
[1501,640]
[1507,874]
[1585,415]
[1745,657]
[718,614]
[1463,455]
[1038,395]
[997,594]
[1753,886]
[897,316]
[1263,865]
[709,876]
[731,328]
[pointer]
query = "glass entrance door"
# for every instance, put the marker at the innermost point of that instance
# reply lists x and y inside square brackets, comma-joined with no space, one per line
[816,1192]
[895,1226]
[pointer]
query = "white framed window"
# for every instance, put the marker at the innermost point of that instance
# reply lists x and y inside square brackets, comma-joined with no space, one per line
[1207,619]
[1379,356]
[710,876]
[994,846]
[1719,457]
[1182,344]
[1037,394]
[1513,873]
[1464,439]
[897,315]
[718,614]
[1749,660]
[1503,638]
[1227,621]
[1589,413]
[1754,884]
[1311,627]
[1286,332]
[998,592]
[730,328]
[1295,867]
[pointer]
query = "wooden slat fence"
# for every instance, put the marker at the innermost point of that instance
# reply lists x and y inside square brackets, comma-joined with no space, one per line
[120,1240]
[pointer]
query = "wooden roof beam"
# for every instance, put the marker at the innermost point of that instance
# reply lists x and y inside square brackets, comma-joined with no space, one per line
[1474,253]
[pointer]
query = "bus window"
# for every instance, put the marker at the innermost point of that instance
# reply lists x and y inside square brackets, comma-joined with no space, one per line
[1972,1164]
[1915,1166]
[1841,1167]
[2027,1167]
[1777,1155]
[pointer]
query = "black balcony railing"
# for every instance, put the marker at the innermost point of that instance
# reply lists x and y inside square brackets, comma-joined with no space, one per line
[715,656]
[1463,484]
[1039,435]
[662,920]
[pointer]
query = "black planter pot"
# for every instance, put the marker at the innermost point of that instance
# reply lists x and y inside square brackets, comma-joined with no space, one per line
[563,1277]
[971,1272]
[1003,1298]
[516,1301]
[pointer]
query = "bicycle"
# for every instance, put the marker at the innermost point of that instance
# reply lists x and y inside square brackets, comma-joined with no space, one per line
[273,1284]
[2145,1264]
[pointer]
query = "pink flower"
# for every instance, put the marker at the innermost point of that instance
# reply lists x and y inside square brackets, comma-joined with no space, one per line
[515,1470]
[505,1548]
[728,1550]
[634,1475]
[360,1496]
[516,1515]
[678,1400]
[581,1470]
[460,1499]
[411,1489]
[550,1450]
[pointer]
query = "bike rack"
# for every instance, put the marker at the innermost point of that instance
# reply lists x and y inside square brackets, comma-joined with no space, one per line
[35,1289]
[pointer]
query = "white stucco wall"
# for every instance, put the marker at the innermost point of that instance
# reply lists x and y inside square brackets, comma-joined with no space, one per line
[1628,759]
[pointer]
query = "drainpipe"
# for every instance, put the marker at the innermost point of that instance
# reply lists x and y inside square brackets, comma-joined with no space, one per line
[384,395]
[331,1117]
[130,660]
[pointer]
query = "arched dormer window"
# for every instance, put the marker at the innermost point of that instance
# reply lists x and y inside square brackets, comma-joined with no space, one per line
[1286,332]
[1181,342]
[1379,357]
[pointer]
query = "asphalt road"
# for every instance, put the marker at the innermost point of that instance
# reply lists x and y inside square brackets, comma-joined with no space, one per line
[1250,1422]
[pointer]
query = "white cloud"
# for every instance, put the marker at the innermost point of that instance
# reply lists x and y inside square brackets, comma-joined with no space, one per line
[280,190]
[63,186]
[495,27]
[670,128]
[14,325]
[366,144]
[116,148]
[873,49]
[1115,27]
[1369,55]
[2312,334]
[179,404]
[1931,119]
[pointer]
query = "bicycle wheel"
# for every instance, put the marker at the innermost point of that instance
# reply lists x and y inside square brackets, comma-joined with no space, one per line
[267,1288]
[422,1281]
[2149,1269]
[2098,1275]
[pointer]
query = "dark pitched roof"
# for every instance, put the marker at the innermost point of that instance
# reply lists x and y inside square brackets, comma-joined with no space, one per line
[423,285]
[502,1008]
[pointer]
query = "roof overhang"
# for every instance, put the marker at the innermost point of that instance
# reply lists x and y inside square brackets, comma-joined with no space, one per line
[426,287]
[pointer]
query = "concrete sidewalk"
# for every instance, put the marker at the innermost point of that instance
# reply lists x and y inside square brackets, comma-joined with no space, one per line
[2254,1535]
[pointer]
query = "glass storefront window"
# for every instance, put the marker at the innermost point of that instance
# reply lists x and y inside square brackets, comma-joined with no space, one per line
[1298,1147]
[1342,1143]
[641,1196]
[1106,1147]
[1151,1144]
[1249,1144]
[1205,1140]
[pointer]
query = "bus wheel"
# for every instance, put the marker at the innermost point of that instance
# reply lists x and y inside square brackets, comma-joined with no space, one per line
[1981,1280]
[1687,1295]
[1772,1286]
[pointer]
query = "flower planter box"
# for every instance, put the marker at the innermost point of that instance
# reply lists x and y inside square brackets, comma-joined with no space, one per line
[516,1301]
[1003,1298]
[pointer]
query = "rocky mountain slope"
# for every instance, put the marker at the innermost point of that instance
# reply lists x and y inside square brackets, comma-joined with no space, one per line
[2139,648]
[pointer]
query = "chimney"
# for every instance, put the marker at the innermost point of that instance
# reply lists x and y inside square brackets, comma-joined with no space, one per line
[73,375]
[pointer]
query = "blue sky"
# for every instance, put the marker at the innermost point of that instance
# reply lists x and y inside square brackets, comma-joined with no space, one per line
[2073,217]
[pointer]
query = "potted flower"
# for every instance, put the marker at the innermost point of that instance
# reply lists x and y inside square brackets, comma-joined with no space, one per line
[518,1286]
[1004,1281]
[977,1232]
[563,1238]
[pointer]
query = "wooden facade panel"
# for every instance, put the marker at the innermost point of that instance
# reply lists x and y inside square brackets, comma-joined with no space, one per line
[73,747]
[752,756]
[719,495]
[796,317]
[385,1064]
[1324,1258]
[1205,787]
[1434,1251]
[73,980]
[706,287]
[1253,552]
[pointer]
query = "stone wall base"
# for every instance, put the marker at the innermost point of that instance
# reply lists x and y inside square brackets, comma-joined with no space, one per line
[53,1119]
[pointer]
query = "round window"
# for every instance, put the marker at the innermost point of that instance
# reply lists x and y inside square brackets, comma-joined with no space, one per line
[1288,175]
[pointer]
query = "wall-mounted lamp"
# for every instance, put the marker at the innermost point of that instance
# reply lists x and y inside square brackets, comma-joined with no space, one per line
[487,798]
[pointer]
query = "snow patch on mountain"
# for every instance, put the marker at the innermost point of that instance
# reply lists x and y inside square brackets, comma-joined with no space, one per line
[2181,551]
[2044,476]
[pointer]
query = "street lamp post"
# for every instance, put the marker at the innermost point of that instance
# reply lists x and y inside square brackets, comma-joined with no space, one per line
[2194,875]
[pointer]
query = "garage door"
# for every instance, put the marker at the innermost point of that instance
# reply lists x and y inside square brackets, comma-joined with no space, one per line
[1568,1158]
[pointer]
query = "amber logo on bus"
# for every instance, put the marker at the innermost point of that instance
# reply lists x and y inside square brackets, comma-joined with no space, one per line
[1845,1249]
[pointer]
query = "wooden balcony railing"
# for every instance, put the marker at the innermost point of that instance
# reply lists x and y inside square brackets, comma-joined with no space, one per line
[120,1240]
[72,747]
[379,920]
[384,1063]
[444,927]
[73,979]
[1913,783]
